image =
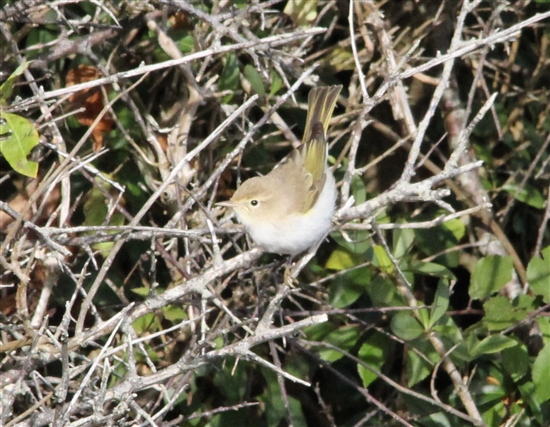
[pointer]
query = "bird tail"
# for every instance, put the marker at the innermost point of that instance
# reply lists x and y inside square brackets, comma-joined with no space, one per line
[321,102]
[312,155]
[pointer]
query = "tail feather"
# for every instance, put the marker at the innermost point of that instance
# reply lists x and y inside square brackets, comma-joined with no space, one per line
[313,152]
[321,102]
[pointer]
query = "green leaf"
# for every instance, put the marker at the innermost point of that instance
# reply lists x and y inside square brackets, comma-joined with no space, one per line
[96,210]
[341,260]
[491,396]
[381,291]
[373,353]
[174,313]
[344,293]
[229,77]
[527,194]
[544,325]
[356,241]
[7,87]
[255,79]
[538,275]
[147,323]
[424,318]
[418,368]
[340,58]
[18,137]
[492,344]
[431,269]
[233,382]
[529,395]
[490,274]
[358,190]
[276,82]
[272,399]
[302,12]
[448,329]
[318,332]
[41,35]
[541,374]
[382,259]
[501,313]
[515,361]
[142,291]
[440,303]
[348,287]
[405,325]
[457,227]
[403,240]
[186,44]
[438,240]
[421,358]
[464,349]
[436,419]
[343,338]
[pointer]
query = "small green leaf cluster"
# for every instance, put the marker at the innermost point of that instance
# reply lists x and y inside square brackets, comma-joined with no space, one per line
[18,135]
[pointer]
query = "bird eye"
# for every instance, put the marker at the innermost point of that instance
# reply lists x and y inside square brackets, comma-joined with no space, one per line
[254,202]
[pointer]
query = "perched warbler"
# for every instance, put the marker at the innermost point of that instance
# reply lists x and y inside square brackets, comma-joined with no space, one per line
[290,209]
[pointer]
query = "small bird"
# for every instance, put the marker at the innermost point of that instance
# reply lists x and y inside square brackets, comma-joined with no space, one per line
[290,209]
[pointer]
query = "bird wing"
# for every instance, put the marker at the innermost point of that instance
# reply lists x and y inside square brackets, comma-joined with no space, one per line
[303,176]
[313,156]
